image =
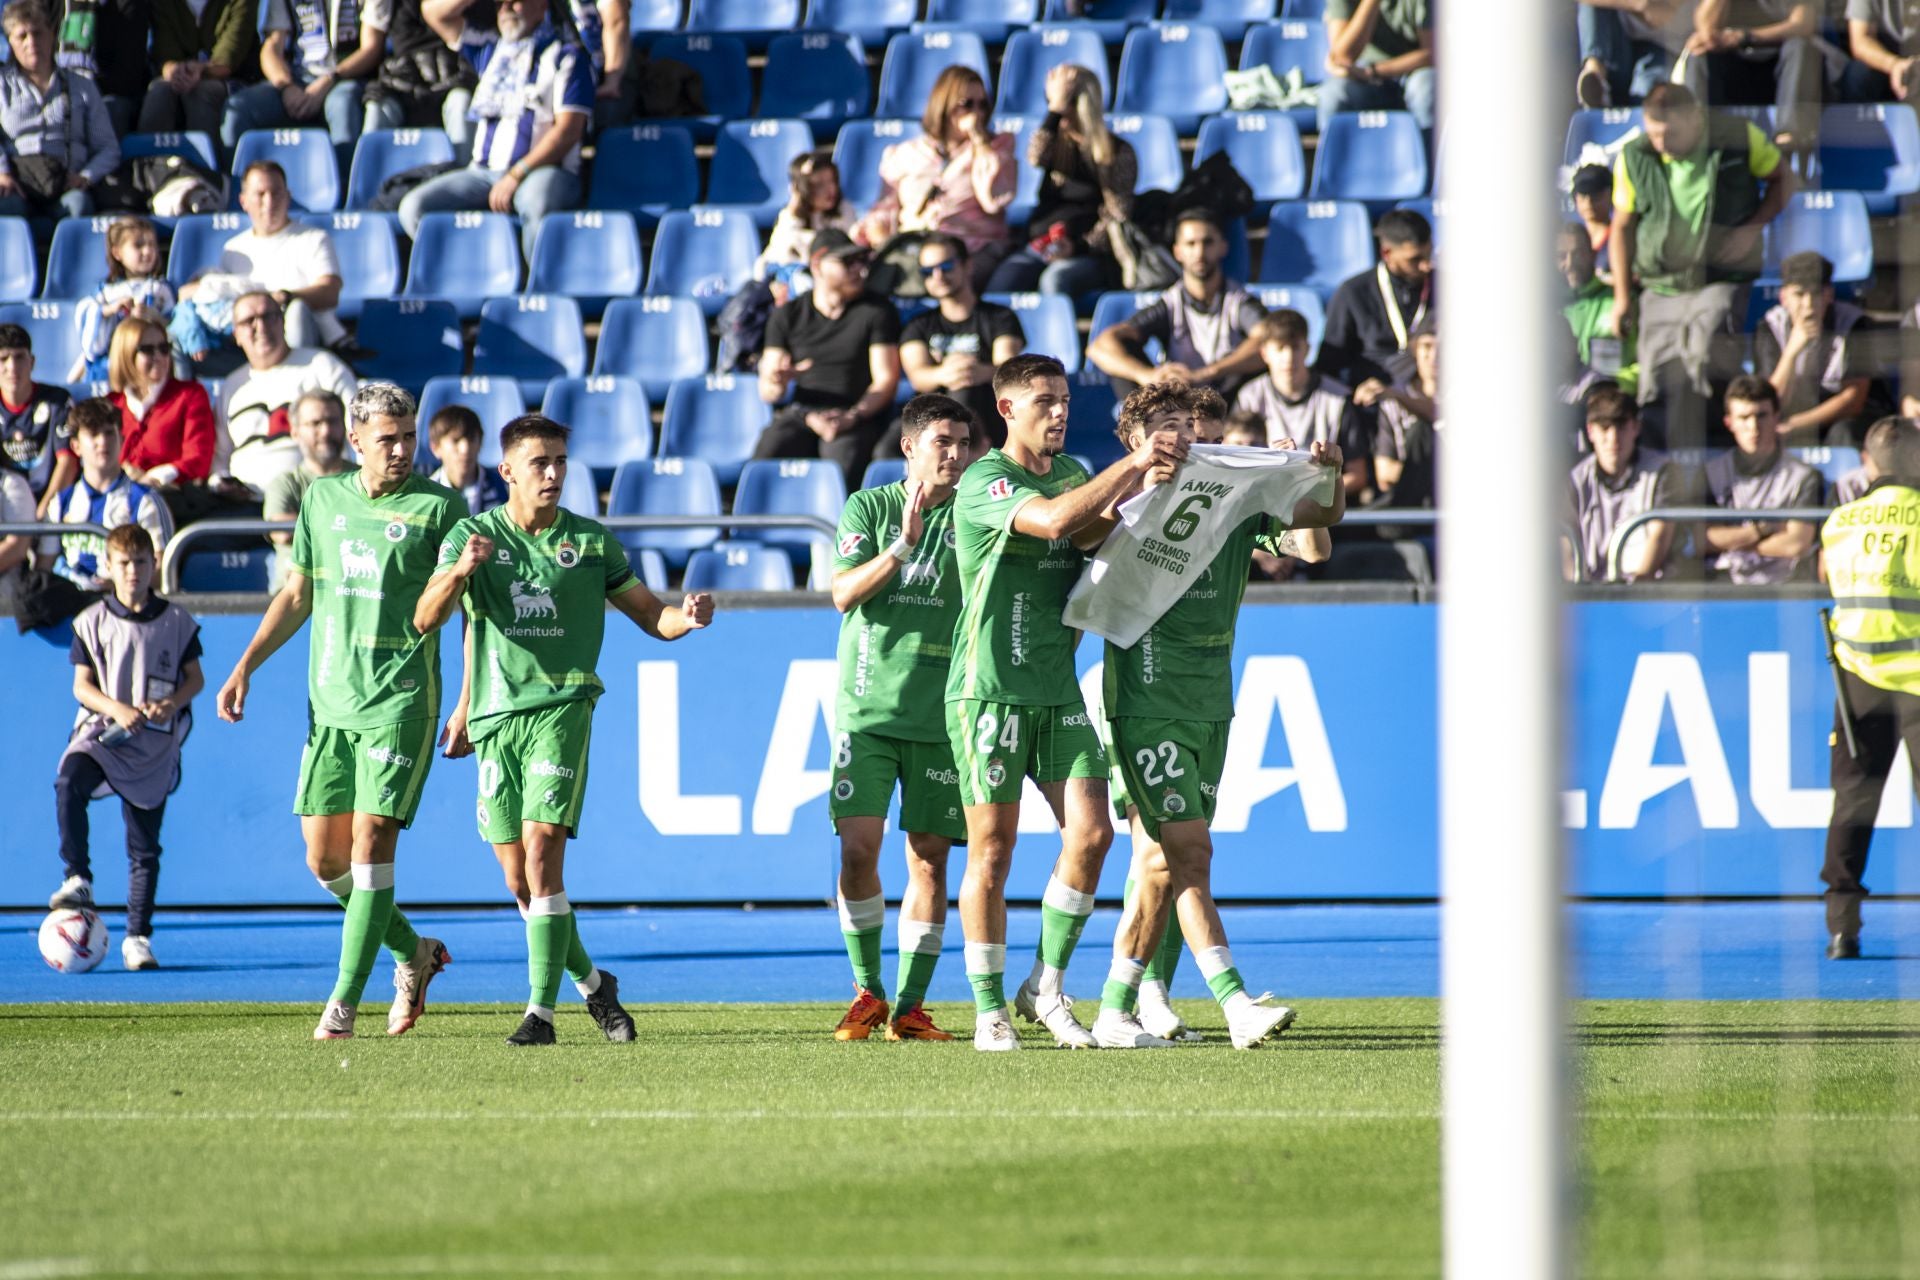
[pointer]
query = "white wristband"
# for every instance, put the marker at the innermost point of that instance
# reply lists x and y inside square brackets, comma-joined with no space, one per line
[899,548]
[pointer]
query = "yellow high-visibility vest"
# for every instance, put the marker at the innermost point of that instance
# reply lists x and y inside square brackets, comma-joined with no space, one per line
[1872,547]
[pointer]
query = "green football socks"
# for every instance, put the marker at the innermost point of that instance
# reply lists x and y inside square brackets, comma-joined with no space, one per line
[549,933]
[401,940]
[1063,914]
[369,909]
[860,924]
[1216,966]
[920,943]
[1122,991]
[987,975]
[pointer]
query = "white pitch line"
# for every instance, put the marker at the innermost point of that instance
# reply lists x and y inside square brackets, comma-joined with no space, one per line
[729,1116]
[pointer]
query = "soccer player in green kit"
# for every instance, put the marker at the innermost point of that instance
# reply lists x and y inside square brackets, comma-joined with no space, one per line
[895,580]
[536,581]
[1022,515]
[1169,703]
[363,549]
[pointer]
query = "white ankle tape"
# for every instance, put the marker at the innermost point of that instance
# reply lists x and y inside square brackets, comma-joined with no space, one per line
[1213,961]
[373,875]
[1062,896]
[340,885]
[554,906]
[862,913]
[986,957]
[919,937]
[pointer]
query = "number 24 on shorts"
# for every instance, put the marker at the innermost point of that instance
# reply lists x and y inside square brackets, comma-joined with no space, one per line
[988,724]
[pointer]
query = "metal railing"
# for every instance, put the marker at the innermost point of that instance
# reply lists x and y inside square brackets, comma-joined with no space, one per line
[48,528]
[1617,544]
[184,539]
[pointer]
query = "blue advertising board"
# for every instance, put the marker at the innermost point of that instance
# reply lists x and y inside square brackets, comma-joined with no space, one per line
[1696,736]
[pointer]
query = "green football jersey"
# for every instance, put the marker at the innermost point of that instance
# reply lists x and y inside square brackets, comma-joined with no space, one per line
[1182,668]
[1010,645]
[369,559]
[895,647]
[538,610]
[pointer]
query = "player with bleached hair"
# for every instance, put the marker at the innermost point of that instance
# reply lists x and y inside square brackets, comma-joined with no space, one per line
[1169,706]
[896,582]
[535,581]
[363,548]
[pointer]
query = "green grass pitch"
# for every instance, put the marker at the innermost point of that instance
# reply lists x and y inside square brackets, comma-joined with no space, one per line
[1748,1140]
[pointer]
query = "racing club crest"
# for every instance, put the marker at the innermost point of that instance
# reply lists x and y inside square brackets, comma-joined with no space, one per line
[567,555]
[396,531]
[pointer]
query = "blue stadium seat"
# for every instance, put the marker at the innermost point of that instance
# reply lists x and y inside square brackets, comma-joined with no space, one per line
[578,493]
[1831,223]
[190,145]
[1264,147]
[874,21]
[1874,150]
[1156,147]
[1599,128]
[703,254]
[1289,46]
[789,487]
[381,153]
[18,274]
[367,246]
[857,152]
[52,329]
[816,76]
[884,471]
[750,166]
[665,487]
[232,569]
[716,418]
[496,400]
[464,258]
[610,420]
[1304,10]
[721,61]
[1831,461]
[1026,185]
[1318,243]
[1374,156]
[198,240]
[753,21]
[412,340]
[1109,19]
[645,17]
[654,341]
[1049,323]
[592,256]
[313,171]
[534,337]
[647,170]
[1090,419]
[915,60]
[1238,264]
[1300,299]
[77,259]
[740,566]
[1110,309]
[1030,54]
[1230,18]
[991,20]
[1178,71]
[652,568]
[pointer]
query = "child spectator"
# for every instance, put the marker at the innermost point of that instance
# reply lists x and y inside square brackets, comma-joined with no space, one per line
[105,495]
[1616,481]
[1246,429]
[455,436]
[1297,403]
[956,177]
[136,670]
[1593,204]
[167,430]
[320,429]
[33,421]
[815,203]
[136,281]
[1808,348]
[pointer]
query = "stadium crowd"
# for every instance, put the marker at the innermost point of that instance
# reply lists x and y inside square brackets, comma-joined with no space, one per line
[1238,204]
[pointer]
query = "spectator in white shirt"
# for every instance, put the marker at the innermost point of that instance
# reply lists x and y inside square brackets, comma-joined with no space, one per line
[256,441]
[290,260]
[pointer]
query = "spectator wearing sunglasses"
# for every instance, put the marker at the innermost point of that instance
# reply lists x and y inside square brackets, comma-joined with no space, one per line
[955,347]
[956,177]
[167,428]
[831,363]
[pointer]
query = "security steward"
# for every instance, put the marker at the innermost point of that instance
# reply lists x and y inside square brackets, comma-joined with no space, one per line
[1872,555]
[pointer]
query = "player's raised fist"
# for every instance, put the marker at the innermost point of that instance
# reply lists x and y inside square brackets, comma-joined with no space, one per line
[698,607]
[478,551]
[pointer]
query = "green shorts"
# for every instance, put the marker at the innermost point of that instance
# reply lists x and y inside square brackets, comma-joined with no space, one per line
[865,767]
[533,768]
[381,770]
[1172,767]
[996,744]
